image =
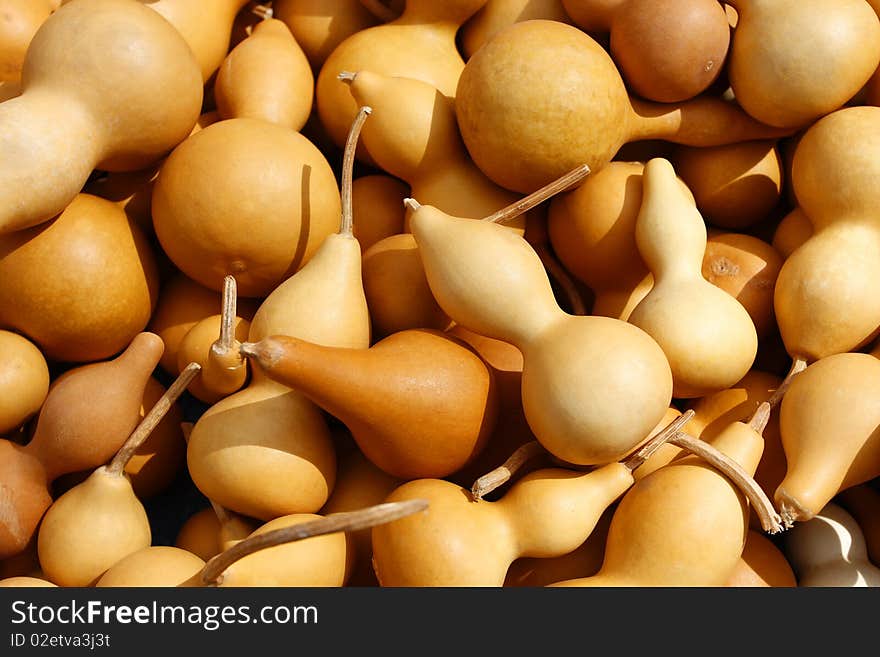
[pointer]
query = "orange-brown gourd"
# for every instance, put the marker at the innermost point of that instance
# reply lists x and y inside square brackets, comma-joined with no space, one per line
[206,535]
[21,20]
[735,186]
[746,268]
[794,229]
[762,565]
[829,419]
[88,414]
[498,14]
[862,502]
[377,202]
[395,397]
[420,44]
[248,198]
[524,99]
[267,77]
[24,381]
[107,84]
[794,61]
[81,286]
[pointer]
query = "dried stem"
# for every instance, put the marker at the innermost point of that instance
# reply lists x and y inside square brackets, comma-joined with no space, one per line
[535,198]
[221,513]
[659,439]
[771,521]
[560,275]
[152,419]
[797,366]
[379,10]
[354,132]
[492,480]
[760,418]
[262,11]
[347,76]
[227,316]
[212,573]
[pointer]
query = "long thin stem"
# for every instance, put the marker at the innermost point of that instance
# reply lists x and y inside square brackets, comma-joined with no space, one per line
[661,438]
[152,419]
[525,204]
[227,315]
[212,573]
[497,477]
[354,132]
[797,366]
[760,418]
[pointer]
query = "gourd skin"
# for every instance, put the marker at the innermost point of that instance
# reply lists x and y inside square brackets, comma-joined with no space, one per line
[21,20]
[153,566]
[761,565]
[26,582]
[377,202]
[498,14]
[794,229]
[203,534]
[106,84]
[24,381]
[24,497]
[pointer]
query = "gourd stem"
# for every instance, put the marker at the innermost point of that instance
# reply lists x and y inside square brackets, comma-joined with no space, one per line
[771,521]
[495,478]
[760,418]
[798,365]
[347,226]
[212,573]
[526,203]
[152,419]
[566,283]
[662,437]
[347,76]
[227,315]
[221,513]
[379,10]
[263,11]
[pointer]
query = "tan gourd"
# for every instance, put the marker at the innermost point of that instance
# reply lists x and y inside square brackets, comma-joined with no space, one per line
[9,90]
[81,286]
[593,16]
[671,238]
[829,418]
[746,268]
[28,582]
[498,14]
[863,503]
[762,564]
[577,369]
[420,44]
[794,61]
[100,521]
[829,550]
[248,198]
[735,186]
[21,20]
[825,297]
[106,84]
[207,533]
[267,77]
[525,98]
[24,381]
[377,202]
[265,451]
[155,566]
[383,395]
[794,229]
[87,415]
[182,304]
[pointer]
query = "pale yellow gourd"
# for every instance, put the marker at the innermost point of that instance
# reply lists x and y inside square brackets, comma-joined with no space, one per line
[24,381]
[21,20]
[25,582]
[154,566]
[592,387]
[687,316]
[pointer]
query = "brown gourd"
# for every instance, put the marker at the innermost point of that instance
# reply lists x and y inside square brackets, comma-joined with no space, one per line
[107,84]
[377,202]
[81,286]
[21,20]
[87,415]
[498,14]
[524,98]
[794,61]
[24,381]
[267,77]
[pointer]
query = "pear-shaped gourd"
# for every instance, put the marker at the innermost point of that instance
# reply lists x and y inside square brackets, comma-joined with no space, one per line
[21,20]
[687,316]
[24,381]
[265,451]
[524,99]
[829,420]
[154,566]
[383,394]
[825,297]
[794,61]
[268,77]
[107,84]
[87,415]
[419,44]
[592,387]
[862,502]
[762,564]
[829,550]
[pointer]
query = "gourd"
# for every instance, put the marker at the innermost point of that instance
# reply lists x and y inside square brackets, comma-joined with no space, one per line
[671,238]
[106,84]
[377,202]
[29,582]
[154,566]
[828,419]
[498,14]
[794,61]
[524,98]
[576,369]
[21,20]
[419,44]
[383,395]
[81,286]
[266,451]
[829,550]
[208,532]
[87,415]
[734,186]
[761,565]
[793,230]
[862,502]
[268,77]
[24,381]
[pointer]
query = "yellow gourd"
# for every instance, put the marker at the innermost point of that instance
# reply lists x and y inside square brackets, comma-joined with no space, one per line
[762,564]
[24,381]
[154,566]
[21,20]
[498,14]
[793,230]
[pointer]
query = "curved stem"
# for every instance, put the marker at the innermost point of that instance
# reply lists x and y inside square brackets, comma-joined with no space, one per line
[563,279]
[536,198]
[354,132]
[152,419]
[771,521]
[379,10]
[212,573]
[495,478]
[661,438]
[798,365]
